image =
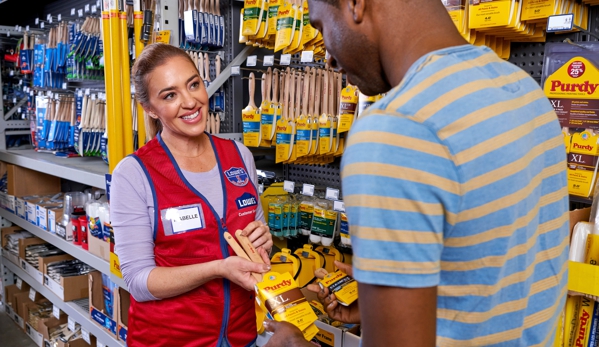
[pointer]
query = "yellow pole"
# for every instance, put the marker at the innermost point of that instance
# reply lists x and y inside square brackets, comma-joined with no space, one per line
[126,81]
[138,17]
[117,141]
[113,154]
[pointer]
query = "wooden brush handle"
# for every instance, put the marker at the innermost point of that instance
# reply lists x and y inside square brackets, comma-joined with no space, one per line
[245,242]
[251,88]
[298,95]
[268,83]
[240,253]
[207,67]
[291,109]
[325,92]
[306,92]
[317,92]
[275,88]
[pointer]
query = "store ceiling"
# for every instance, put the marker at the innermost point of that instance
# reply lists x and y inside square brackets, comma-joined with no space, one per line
[21,12]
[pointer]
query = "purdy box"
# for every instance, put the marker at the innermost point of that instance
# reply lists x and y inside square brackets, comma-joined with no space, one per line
[69,288]
[96,304]
[23,182]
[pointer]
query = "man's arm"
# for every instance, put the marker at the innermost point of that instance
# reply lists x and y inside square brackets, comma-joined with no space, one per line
[396,316]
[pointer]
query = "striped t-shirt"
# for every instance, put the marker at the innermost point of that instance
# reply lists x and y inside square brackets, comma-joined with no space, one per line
[456,179]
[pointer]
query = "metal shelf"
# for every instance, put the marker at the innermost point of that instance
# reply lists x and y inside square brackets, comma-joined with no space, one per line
[79,314]
[87,170]
[97,263]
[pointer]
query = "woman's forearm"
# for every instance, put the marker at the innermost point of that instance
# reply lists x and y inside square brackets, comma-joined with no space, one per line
[167,282]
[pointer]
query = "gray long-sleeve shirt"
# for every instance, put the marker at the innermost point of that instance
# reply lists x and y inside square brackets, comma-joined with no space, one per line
[132,216]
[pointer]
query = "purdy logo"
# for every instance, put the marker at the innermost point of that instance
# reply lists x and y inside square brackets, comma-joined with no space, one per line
[284,13]
[582,330]
[246,200]
[285,283]
[585,87]
[576,69]
[585,147]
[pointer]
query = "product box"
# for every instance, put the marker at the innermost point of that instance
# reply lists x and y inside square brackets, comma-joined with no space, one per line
[21,205]
[21,299]
[54,214]
[23,243]
[23,182]
[35,335]
[328,335]
[70,288]
[123,301]
[96,304]
[78,343]
[350,339]
[6,231]
[12,313]
[12,290]
[46,324]
[31,212]
[31,271]
[7,202]
[582,278]
[42,214]
[98,247]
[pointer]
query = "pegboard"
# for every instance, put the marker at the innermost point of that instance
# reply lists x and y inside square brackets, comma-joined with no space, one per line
[319,175]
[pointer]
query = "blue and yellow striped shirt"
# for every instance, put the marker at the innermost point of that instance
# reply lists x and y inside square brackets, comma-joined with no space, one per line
[457,179]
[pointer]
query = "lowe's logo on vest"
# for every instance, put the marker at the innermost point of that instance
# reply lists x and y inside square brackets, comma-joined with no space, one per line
[246,200]
[237,176]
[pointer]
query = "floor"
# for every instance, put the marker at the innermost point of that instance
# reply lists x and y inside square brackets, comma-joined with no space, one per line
[10,334]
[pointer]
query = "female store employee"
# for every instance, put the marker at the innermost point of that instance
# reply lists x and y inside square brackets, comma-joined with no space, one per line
[171,203]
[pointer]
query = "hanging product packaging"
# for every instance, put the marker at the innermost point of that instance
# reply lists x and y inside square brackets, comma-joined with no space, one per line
[331,254]
[344,229]
[273,12]
[251,118]
[285,25]
[251,17]
[286,262]
[570,75]
[285,140]
[310,260]
[306,213]
[294,46]
[286,218]
[323,224]
[275,218]
[347,108]
[280,297]
[364,102]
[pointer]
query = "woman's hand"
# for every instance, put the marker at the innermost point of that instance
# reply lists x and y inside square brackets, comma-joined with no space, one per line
[259,235]
[239,271]
[285,335]
[336,311]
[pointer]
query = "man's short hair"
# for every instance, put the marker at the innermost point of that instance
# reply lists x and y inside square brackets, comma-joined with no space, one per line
[331,2]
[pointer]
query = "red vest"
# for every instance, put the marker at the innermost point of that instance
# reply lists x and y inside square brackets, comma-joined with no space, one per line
[219,310]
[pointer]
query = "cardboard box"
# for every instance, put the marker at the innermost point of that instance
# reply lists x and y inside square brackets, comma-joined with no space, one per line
[21,299]
[351,340]
[33,272]
[8,231]
[42,214]
[32,306]
[78,343]
[123,301]
[98,247]
[582,278]
[15,317]
[96,305]
[23,182]
[54,214]
[69,288]
[44,325]
[23,243]
[12,290]
[35,335]
[7,202]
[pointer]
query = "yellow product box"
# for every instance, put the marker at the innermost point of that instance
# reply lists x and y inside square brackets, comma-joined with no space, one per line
[344,287]
[494,13]
[281,298]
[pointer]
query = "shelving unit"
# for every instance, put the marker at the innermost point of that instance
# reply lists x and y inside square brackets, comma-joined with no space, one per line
[78,313]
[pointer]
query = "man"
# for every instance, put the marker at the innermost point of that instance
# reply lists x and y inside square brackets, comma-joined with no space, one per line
[454,184]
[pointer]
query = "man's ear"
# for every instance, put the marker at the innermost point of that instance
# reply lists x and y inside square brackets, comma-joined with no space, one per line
[356,7]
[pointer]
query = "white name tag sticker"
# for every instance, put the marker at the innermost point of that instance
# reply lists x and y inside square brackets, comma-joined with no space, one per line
[179,220]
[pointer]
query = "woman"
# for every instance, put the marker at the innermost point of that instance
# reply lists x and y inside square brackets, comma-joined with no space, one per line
[171,202]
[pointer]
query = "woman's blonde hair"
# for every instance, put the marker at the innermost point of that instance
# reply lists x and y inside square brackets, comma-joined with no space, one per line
[151,57]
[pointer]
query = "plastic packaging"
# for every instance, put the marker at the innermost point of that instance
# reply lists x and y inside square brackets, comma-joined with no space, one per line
[306,213]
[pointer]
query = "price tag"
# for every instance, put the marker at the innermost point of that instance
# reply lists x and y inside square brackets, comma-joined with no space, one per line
[560,22]
[332,194]
[49,18]
[85,335]
[87,91]
[252,60]
[80,13]
[261,189]
[73,10]
[285,59]
[94,9]
[93,96]
[20,28]
[289,186]
[235,71]
[11,73]
[20,82]
[56,311]
[59,17]
[269,60]
[23,265]
[19,110]
[27,28]
[37,21]
[307,56]
[19,283]
[32,294]
[14,100]
[87,8]
[308,190]
[71,324]
[64,86]
[42,25]
[339,206]
[80,93]
[8,34]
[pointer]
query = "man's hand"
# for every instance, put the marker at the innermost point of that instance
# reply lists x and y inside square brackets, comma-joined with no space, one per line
[285,335]
[336,311]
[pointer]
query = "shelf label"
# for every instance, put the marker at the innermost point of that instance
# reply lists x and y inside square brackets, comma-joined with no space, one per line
[85,335]
[26,29]
[73,11]
[37,21]
[562,22]
[289,186]
[286,59]
[19,283]
[307,56]
[269,60]
[42,25]
[71,324]
[261,189]
[332,194]
[252,60]
[94,9]
[80,13]
[235,71]
[87,8]
[59,17]
[32,294]
[56,311]
[24,265]
[308,189]
[49,17]
[339,206]
[54,286]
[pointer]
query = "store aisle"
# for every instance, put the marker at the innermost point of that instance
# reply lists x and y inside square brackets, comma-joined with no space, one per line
[11,335]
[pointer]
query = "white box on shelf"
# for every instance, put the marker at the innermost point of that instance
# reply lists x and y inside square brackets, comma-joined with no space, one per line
[33,272]
[31,212]
[35,335]
[21,208]
[15,317]
[42,217]
[351,340]
[7,202]
[55,287]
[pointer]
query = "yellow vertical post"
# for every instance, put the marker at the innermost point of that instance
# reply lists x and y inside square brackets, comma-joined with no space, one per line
[126,83]
[116,142]
[138,17]
[113,154]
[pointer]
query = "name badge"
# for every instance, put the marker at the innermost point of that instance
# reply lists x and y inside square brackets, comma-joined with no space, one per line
[182,219]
